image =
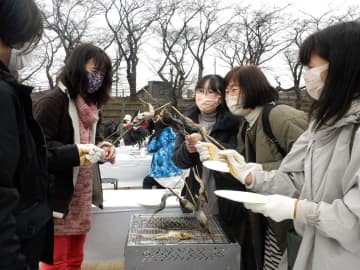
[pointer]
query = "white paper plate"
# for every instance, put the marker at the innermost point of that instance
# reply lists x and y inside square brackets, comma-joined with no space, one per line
[242,196]
[149,201]
[216,165]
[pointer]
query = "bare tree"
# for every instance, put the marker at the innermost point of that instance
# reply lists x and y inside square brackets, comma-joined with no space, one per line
[69,20]
[172,24]
[133,20]
[206,31]
[256,38]
[299,30]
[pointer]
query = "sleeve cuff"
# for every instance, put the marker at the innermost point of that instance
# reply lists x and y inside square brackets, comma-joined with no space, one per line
[306,212]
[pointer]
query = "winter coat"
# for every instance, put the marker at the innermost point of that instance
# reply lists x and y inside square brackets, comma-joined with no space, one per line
[323,170]
[58,117]
[162,148]
[287,124]
[25,215]
[224,131]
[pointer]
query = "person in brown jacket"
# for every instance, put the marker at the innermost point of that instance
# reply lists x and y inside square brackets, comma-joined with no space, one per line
[248,94]
[69,114]
[265,137]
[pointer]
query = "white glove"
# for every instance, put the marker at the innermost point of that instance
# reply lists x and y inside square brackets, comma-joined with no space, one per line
[96,154]
[238,166]
[89,153]
[278,207]
[207,151]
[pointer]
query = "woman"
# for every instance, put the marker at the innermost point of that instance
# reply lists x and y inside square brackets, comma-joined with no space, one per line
[25,216]
[211,113]
[161,144]
[249,94]
[322,168]
[69,114]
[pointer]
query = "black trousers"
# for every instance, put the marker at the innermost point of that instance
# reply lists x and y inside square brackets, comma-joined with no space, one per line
[149,182]
[40,247]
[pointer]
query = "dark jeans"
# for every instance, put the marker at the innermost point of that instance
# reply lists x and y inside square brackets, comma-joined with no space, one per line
[149,182]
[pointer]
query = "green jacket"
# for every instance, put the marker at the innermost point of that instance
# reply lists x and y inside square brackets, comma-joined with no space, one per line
[287,124]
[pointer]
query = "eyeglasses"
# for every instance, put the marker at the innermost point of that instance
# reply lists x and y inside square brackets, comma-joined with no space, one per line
[208,92]
[233,89]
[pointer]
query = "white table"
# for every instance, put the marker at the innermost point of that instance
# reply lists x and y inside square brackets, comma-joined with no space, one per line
[107,237]
[130,168]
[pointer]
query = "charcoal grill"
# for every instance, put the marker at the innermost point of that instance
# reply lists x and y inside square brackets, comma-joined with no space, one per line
[146,250]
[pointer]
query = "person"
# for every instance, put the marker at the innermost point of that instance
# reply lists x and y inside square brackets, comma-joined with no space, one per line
[151,123]
[136,133]
[250,95]
[161,144]
[317,184]
[25,214]
[68,114]
[211,113]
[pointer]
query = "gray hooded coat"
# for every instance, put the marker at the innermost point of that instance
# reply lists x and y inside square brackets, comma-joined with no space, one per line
[324,173]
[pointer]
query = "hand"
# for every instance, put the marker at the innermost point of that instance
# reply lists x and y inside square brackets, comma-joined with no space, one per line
[238,166]
[110,152]
[89,153]
[278,207]
[191,140]
[95,155]
[207,151]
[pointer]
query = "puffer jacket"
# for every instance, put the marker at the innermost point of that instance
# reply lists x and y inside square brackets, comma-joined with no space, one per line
[162,148]
[24,181]
[224,131]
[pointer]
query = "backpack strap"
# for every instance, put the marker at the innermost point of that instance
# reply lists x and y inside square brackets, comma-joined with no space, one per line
[355,128]
[267,127]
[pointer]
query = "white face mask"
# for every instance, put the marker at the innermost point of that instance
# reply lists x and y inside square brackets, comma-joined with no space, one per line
[207,104]
[313,82]
[235,105]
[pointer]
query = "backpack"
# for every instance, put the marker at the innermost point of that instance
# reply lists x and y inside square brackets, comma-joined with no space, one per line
[267,127]
[268,131]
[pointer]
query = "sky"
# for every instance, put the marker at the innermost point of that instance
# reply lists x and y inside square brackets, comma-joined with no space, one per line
[297,7]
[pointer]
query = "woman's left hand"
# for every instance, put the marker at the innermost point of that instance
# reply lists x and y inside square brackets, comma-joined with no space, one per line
[110,153]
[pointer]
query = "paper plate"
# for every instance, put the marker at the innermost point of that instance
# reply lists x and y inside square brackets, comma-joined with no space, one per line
[241,196]
[216,165]
[149,201]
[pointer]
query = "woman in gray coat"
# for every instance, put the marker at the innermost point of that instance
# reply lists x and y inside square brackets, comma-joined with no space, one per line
[319,180]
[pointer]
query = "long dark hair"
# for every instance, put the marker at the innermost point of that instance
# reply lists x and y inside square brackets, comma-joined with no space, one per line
[256,88]
[339,45]
[20,22]
[74,75]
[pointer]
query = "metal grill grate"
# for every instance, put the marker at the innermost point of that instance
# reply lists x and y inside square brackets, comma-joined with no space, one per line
[151,230]
[201,251]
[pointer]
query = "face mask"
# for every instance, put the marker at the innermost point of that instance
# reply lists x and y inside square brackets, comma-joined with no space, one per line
[235,106]
[313,82]
[207,104]
[95,81]
[17,60]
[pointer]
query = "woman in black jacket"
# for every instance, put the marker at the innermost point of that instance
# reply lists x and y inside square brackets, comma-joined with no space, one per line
[212,113]
[25,216]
